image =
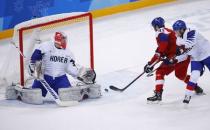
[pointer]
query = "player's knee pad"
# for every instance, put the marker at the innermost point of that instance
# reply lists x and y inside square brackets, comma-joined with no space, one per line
[159,76]
[195,74]
[31,96]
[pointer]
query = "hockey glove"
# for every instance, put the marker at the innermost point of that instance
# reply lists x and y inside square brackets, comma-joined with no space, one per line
[180,50]
[35,69]
[88,76]
[148,68]
[170,61]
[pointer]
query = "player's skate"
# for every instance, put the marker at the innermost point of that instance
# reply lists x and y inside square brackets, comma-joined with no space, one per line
[187,99]
[156,98]
[199,90]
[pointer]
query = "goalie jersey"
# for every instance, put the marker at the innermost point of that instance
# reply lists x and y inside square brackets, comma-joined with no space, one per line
[55,62]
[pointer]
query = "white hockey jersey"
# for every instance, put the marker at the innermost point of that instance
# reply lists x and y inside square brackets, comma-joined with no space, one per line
[199,47]
[56,62]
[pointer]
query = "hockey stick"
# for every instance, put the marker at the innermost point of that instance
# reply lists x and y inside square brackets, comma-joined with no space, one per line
[55,96]
[150,74]
[18,49]
[123,89]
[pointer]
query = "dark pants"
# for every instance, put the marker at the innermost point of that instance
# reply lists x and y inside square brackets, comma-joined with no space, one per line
[55,83]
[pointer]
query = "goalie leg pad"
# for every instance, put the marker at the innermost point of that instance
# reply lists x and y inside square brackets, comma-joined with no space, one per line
[31,96]
[95,91]
[80,92]
[70,94]
[11,93]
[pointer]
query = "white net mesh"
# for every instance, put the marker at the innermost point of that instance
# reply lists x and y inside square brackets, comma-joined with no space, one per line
[75,25]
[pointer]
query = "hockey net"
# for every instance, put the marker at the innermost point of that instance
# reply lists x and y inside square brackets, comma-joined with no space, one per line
[79,29]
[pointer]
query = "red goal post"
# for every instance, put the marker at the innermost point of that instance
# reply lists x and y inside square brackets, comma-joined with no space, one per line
[48,24]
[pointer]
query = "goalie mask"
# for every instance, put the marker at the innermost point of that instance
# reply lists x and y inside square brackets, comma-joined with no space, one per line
[60,40]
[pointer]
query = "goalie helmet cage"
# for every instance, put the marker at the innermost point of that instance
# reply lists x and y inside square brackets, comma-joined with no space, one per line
[49,22]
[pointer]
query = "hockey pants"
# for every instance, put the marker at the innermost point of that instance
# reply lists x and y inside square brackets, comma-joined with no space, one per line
[180,72]
[54,82]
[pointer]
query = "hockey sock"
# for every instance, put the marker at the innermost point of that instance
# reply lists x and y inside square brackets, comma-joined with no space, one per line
[186,80]
[191,86]
[159,87]
[159,82]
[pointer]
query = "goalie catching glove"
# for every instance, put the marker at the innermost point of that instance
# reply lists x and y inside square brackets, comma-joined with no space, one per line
[87,75]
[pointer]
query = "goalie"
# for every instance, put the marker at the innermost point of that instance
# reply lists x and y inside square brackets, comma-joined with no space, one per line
[52,60]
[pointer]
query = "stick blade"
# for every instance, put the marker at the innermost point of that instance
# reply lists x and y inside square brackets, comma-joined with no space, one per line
[115,88]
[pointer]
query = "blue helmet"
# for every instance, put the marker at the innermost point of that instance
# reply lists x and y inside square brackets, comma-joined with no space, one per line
[159,21]
[178,25]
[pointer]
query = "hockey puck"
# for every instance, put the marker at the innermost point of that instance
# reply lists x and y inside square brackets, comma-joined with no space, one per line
[106,90]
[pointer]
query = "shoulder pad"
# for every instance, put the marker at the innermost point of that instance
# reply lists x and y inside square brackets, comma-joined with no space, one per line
[191,35]
[163,37]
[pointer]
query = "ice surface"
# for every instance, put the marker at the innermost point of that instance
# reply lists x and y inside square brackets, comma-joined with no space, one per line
[123,44]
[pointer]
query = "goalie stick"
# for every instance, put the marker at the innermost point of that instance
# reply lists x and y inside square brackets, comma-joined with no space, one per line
[13,43]
[123,89]
[55,96]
